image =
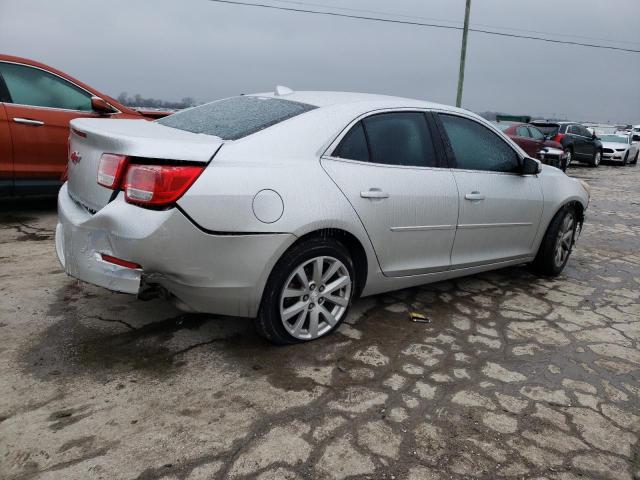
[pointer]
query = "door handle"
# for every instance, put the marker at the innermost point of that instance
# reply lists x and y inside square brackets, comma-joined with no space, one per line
[28,121]
[374,193]
[474,196]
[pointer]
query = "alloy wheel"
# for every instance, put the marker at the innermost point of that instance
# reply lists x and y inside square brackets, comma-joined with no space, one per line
[597,158]
[315,297]
[569,157]
[564,240]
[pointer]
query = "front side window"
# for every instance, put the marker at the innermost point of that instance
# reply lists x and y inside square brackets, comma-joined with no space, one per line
[235,117]
[35,87]
[475,147]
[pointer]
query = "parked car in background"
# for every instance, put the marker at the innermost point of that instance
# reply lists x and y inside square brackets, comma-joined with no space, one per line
[535,143]
[620,148]
[578,143]
[284,207]
[36,104]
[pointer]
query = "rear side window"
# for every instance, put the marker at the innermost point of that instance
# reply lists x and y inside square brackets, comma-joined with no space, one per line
[354,145]
[397,138]
[35,87]
[235,117]
[550,130]
[475,147]
[522,132]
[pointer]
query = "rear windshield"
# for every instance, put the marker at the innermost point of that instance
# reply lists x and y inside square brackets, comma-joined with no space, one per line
[548,129]
[235,117]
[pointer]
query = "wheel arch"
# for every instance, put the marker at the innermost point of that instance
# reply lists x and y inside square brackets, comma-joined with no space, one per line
[352,244]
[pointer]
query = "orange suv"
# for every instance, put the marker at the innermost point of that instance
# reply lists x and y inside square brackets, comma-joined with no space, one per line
[36,104]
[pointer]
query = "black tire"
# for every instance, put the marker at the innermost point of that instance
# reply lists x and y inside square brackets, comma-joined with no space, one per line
[269,322]
[546,261]
[568,159]
[635,159]
[597,158]
[625,160]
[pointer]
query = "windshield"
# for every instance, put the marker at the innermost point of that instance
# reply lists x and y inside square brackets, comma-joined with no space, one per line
[502,126]
[614,138]
[235,117]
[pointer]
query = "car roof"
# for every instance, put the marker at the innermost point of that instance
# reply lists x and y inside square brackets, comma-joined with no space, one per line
[359,101]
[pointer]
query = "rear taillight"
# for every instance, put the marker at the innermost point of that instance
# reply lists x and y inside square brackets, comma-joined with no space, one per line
[558,138]
[158,185]
[111,170]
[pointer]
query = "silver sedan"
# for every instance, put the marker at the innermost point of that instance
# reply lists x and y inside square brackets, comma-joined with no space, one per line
[285,206]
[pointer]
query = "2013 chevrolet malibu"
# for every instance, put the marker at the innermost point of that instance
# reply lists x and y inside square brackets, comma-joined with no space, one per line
[285,206]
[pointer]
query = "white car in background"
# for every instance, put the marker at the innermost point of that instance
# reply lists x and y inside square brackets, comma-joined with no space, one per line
[283,207]
[620,148]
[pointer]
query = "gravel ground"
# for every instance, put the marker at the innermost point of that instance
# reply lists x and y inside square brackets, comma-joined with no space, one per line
[515,377]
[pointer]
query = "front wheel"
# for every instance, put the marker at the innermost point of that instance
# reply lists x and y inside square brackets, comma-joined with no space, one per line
[308,293]
[635,159]
[625,160]
[595,162]
[557,243]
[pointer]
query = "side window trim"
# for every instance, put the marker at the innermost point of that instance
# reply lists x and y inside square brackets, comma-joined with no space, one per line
[5,96]
[438,146]
[449,149]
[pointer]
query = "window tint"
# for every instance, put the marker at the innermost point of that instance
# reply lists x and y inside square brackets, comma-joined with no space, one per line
[475,147]
[353,145]
[32,86]
[235,117]
[400,138]
[522,131]
[535,133]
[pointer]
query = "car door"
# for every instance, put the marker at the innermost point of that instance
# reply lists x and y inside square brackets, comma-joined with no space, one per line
[38,110]
[580,148]
[389,169]
[589,141]
[6,152]
[500,209]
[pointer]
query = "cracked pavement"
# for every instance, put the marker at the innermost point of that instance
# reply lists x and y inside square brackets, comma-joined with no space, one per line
[515,376]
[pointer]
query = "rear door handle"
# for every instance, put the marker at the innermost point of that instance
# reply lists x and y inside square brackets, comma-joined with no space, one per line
[374,193]
[474,196]
[28,121]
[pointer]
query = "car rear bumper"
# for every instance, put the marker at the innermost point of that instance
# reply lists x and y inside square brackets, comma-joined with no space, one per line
[222,274]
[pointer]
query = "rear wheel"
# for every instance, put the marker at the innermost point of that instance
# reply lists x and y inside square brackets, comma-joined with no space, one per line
[595,161]
[308,294]
[568,159]
[557,243]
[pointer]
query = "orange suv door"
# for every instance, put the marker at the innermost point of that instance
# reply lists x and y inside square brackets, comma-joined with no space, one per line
[6,154]
[38,112]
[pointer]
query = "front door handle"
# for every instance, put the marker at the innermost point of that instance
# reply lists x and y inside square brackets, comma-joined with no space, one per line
[374,193]
[474,196]
[28,121]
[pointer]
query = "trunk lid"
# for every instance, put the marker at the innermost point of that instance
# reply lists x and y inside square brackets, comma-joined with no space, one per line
[90,138]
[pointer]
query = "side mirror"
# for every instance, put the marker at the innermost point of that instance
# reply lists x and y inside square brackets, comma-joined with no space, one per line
[101,106]
[594,136]
[531,166]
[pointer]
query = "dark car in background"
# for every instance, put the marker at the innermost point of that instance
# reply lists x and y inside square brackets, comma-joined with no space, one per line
[535,143]
[579,143]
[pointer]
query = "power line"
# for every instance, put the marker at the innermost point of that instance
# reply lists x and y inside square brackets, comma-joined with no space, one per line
[421,24]
[431,19]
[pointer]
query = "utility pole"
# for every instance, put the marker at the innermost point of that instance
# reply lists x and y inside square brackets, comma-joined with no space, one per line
[463,53]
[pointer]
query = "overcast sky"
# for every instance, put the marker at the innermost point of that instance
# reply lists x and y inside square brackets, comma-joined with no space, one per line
[197,48]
